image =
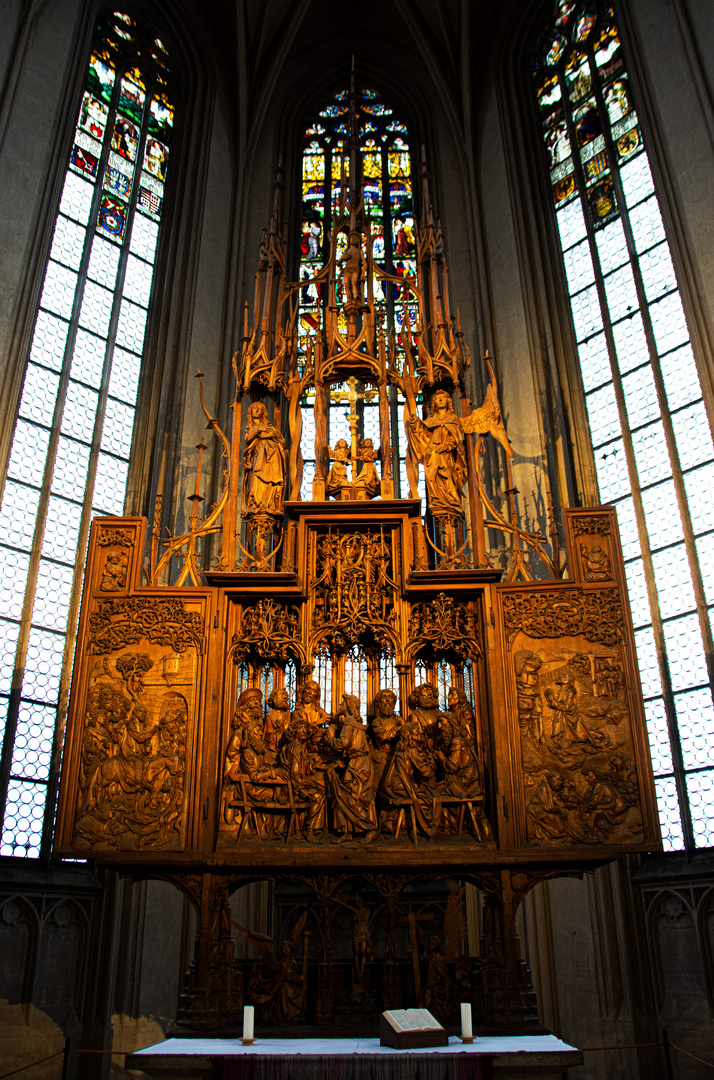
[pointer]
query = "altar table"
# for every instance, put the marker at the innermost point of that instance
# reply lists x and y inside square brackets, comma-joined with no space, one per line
[499,1057]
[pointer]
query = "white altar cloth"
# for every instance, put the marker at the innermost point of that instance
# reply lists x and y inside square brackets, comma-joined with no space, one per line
[487,1044]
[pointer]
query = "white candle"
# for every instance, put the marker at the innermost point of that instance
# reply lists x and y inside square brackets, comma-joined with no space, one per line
[248,1021]
[466,1028]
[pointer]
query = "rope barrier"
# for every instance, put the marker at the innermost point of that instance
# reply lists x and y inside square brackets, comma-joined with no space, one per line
[79,1050]
[32,1065]
[629,1046]
[692,1056]
[583,1050]
[67,1050]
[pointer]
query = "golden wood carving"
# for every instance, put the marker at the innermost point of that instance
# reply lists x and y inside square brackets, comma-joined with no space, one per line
[444,626]
[596,563]
[596,615]
[354,590]
[577,750]
[269,631]
[331,780]
[114,574]
[133,759]
[107,537]
[114,623]
[424,708]
[591,524]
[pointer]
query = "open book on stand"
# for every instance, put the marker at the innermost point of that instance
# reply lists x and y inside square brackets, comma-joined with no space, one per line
[405,1029]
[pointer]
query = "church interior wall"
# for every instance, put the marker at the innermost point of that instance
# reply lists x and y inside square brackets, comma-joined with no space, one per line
[511,346]
[613,961]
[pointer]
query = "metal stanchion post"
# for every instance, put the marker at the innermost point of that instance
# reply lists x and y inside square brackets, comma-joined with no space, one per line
[667,1055]
[65,1060]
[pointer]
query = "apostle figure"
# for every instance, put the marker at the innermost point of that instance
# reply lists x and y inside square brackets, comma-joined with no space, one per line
[385,731]
[462,709]
[386,724]
[462,778]
[264,459]
[306,778]
[606,807]
[353,787]
[264,783]
[411,777]
[425,711]
[248,717]
[277,719]
[547,817]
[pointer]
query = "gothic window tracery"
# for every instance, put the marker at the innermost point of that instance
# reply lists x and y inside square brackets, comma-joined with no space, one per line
[650,432]
[73,433]
[387,174]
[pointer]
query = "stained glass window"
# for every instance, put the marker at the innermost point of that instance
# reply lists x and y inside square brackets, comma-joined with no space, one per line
[389,203]
[650,433]
[72,438]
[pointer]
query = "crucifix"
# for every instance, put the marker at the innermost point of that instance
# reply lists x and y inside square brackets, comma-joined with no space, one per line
[352,396]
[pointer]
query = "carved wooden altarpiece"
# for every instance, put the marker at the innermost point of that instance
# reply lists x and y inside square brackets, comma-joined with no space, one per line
[356,696]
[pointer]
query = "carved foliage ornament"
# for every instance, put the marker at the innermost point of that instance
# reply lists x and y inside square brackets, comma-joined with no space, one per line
[269,630]
[116,623]
[354,590]
[591,525]
[596,616]
[445,625]
[115,537]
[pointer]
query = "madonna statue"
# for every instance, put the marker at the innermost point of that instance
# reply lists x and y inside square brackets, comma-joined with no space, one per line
[264,459]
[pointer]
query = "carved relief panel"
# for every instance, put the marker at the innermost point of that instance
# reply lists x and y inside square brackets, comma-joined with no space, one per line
[131,732]
[576,730]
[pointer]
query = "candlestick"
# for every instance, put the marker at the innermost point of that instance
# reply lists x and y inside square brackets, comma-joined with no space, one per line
[467,1033]
[248,1022]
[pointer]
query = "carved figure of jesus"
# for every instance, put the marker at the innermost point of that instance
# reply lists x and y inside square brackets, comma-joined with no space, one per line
[361,937]
[352,260]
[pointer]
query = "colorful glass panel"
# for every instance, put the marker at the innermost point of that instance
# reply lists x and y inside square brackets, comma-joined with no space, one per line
[73,433]
[389,204]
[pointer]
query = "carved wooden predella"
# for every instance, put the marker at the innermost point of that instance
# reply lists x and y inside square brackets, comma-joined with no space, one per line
[168,764]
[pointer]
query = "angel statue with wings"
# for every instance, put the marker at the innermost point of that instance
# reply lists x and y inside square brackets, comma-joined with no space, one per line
[277,983]
[438,443]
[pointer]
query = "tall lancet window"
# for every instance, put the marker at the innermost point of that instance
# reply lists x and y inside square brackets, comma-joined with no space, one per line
[649,427]
[387,178]
[72,438]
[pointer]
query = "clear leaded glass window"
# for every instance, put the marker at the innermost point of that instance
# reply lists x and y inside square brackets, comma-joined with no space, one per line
[389,202]
[650,432]
[72,437]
